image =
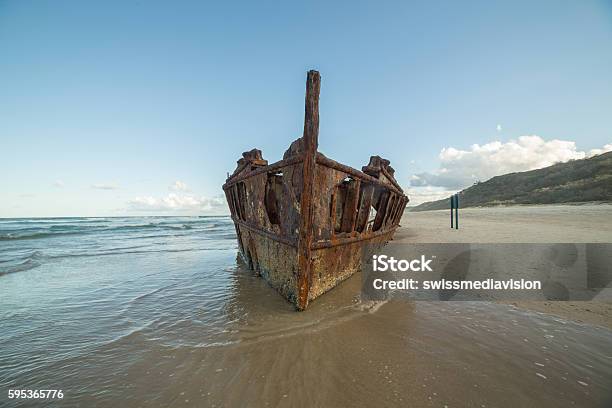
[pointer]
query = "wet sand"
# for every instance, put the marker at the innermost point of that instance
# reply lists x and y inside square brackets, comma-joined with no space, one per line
[587,223]
[596,313]
[163,314]
[343,352]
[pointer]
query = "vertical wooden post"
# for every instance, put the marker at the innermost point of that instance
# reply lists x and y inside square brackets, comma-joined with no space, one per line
[311,143]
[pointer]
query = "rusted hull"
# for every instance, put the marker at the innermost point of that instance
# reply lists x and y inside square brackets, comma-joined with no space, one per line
[332,265]
[303,223]
[272,259]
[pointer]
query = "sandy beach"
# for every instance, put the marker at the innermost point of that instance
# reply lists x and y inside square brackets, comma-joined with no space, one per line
[588,223]
[145,312]
[525,224]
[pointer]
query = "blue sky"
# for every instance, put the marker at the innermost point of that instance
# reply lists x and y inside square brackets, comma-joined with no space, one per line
[105,106]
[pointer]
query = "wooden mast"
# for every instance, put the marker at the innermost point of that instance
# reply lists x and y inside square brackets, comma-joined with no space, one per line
[311,143]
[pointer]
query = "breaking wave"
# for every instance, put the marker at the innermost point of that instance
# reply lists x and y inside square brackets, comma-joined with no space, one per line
[52,231]
[26,263]
[28,243]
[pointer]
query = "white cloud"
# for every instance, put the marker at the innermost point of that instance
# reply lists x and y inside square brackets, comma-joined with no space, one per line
[595,152]
[58,184]
[179,186]
[419,195]
[176,202]
[105,186]
[460,168]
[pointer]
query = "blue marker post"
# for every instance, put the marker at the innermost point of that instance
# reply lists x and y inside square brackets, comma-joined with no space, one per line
[452,206]
[456,211]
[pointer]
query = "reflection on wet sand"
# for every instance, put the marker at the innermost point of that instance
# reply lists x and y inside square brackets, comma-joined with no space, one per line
[342,352]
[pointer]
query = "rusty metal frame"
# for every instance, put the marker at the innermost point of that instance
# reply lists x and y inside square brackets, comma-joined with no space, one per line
[276,237]
[311,144]
[330,243]
[327,162]
[265,169]
[356,203]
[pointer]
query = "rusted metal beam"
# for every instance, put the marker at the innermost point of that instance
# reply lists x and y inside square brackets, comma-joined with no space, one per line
[267,169]
[400,210]
[349,240]
[352,206]
[236,172]
[311,143]
[364,209]
[389,210]
[392,180]
[381,211]
[316,245]
[332,210]
[395,209]
[272,236]
[327,162]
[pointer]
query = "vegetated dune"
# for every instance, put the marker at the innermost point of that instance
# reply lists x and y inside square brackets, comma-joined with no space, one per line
[575,181]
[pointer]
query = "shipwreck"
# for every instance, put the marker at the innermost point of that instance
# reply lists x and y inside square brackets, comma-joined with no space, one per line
[304,222]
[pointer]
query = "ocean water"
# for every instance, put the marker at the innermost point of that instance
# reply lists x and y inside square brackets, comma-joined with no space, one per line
[159,311]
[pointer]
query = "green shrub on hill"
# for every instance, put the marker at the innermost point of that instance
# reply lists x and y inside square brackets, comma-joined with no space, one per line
[576,181]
